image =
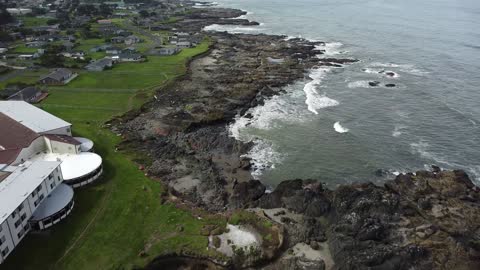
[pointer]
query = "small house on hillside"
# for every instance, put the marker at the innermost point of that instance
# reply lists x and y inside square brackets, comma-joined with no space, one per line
[113,50]
[104,22]
[184,44]
[59,76]
[117,39]
[130,57]
[132,39]
[29,94]
[100,65]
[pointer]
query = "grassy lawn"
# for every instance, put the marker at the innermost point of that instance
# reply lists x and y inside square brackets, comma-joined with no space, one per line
[153,72]
[25,76]
[86,44]
[24,49]
[33,21]
[121,214]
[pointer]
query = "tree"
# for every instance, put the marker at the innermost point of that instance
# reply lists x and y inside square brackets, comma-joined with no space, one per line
[105,10]
[144,13]
[5,17]
[52,21]
[52,57]
[86,10]
[52,60]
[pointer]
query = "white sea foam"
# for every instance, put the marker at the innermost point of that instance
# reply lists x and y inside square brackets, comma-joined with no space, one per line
[398,130]
[263,156]
[407,68]
[234,29]
[381,72]
[424,150]
[339,128]
[359,84]
[314,100]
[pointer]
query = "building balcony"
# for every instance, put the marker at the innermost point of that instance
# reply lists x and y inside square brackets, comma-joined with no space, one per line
[56,207]
[86,144]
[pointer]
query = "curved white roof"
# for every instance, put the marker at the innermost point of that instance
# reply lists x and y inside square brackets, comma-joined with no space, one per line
[86,144]
[75,166]
[56,201]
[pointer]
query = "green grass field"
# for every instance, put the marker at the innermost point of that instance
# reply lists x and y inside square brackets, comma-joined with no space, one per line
[115,218]
[33,21]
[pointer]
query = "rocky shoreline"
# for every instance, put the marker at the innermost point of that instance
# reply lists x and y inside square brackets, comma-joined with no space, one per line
[428,220]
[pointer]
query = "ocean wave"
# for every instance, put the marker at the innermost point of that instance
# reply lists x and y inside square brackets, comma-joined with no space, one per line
[398,130]
[263,157]
[314,100]
[424,150]
[359,84]
[381,72]
[233,29]
[339,128]
[329,48]
[407,68]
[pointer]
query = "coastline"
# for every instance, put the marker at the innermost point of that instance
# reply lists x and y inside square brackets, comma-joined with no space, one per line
[189,132]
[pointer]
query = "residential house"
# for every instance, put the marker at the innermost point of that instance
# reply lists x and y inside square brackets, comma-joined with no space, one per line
[100,65]
[29,94]
[113,50]
[74,55]
[130,57]
[184,44]
[35,44]
[166,51]
[60,76]
[104,22]
[117,40]
[100,48]
[132,39]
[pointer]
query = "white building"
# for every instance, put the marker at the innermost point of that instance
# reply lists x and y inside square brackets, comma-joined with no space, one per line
[40,162]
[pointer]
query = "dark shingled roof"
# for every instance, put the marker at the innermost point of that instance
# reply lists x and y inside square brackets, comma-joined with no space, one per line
[13,137]
[59,74]
[63,139]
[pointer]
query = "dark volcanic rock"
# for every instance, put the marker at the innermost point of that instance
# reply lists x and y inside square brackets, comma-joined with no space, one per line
[305,197]
[374,83]
[246,192]
[186,125]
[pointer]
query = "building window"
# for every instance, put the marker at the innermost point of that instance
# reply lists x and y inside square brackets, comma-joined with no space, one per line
[39,188]
[2,240]
[52,185]
[20,234]
[14,214]
[41,197]
[5,252]
[17,223]
[23,217]
[20,207]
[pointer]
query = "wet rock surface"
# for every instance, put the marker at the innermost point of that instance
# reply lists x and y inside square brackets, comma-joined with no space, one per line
[185,129]
[427,220]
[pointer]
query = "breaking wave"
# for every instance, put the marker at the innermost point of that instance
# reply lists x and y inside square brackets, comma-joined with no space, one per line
[233,29]
[339,128]
[407,68]
[263,157]
[314,100]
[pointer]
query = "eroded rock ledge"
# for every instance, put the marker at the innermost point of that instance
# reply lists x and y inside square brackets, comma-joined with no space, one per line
[427,220]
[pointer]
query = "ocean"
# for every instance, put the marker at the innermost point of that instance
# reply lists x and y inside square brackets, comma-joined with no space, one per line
[337,128]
